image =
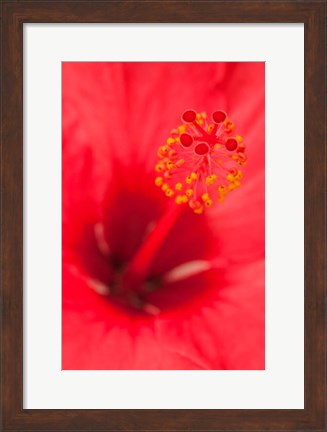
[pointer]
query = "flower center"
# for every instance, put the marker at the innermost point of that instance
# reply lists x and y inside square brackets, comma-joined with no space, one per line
[199,164]
[165,257]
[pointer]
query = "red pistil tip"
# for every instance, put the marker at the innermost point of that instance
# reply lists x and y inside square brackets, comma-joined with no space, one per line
[231,144]
[199,164]
[219,116]
[201,149]
[189,116]
[186,140]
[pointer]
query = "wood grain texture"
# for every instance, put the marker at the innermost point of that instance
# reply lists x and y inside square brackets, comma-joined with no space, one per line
[14,15]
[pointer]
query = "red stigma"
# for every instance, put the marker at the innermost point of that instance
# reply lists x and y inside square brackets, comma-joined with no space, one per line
[219,116]
[189,116]
[231,144]
[201,149]
[186,140]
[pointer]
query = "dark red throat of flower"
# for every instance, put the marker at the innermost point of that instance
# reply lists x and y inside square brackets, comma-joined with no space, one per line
[136,272]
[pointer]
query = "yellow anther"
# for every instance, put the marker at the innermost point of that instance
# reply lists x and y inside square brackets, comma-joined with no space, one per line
[222,190]
[232,186]
[210,127]
[159,167]
[205,197]
[198,210]
[230,177]
[241,158]
[239,175]
[191,177]
[237,183]
[180,162]
[189,192]
[158,181]
[169,192]
[165,186]
[239,139]
[164,150]
[211,179]
[179,186]
[194,176]
[199,119]
[181,199]
[221,198]
[208,203]
[170,164]
[229,126]
[181,128]
[170,141]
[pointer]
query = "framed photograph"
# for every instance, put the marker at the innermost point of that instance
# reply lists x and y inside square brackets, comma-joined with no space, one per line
[163,215]
[148,247]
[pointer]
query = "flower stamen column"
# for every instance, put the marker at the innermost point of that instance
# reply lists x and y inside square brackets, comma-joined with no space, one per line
[136,273]
[197,165]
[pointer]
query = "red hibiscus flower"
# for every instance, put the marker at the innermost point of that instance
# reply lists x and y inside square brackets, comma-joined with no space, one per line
[163,261]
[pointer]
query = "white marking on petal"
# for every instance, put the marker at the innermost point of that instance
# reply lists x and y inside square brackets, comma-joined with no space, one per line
[150,309]
[187,270]
[99,287]
[100,238]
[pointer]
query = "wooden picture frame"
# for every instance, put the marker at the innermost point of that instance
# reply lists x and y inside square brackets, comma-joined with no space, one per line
[14,14]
